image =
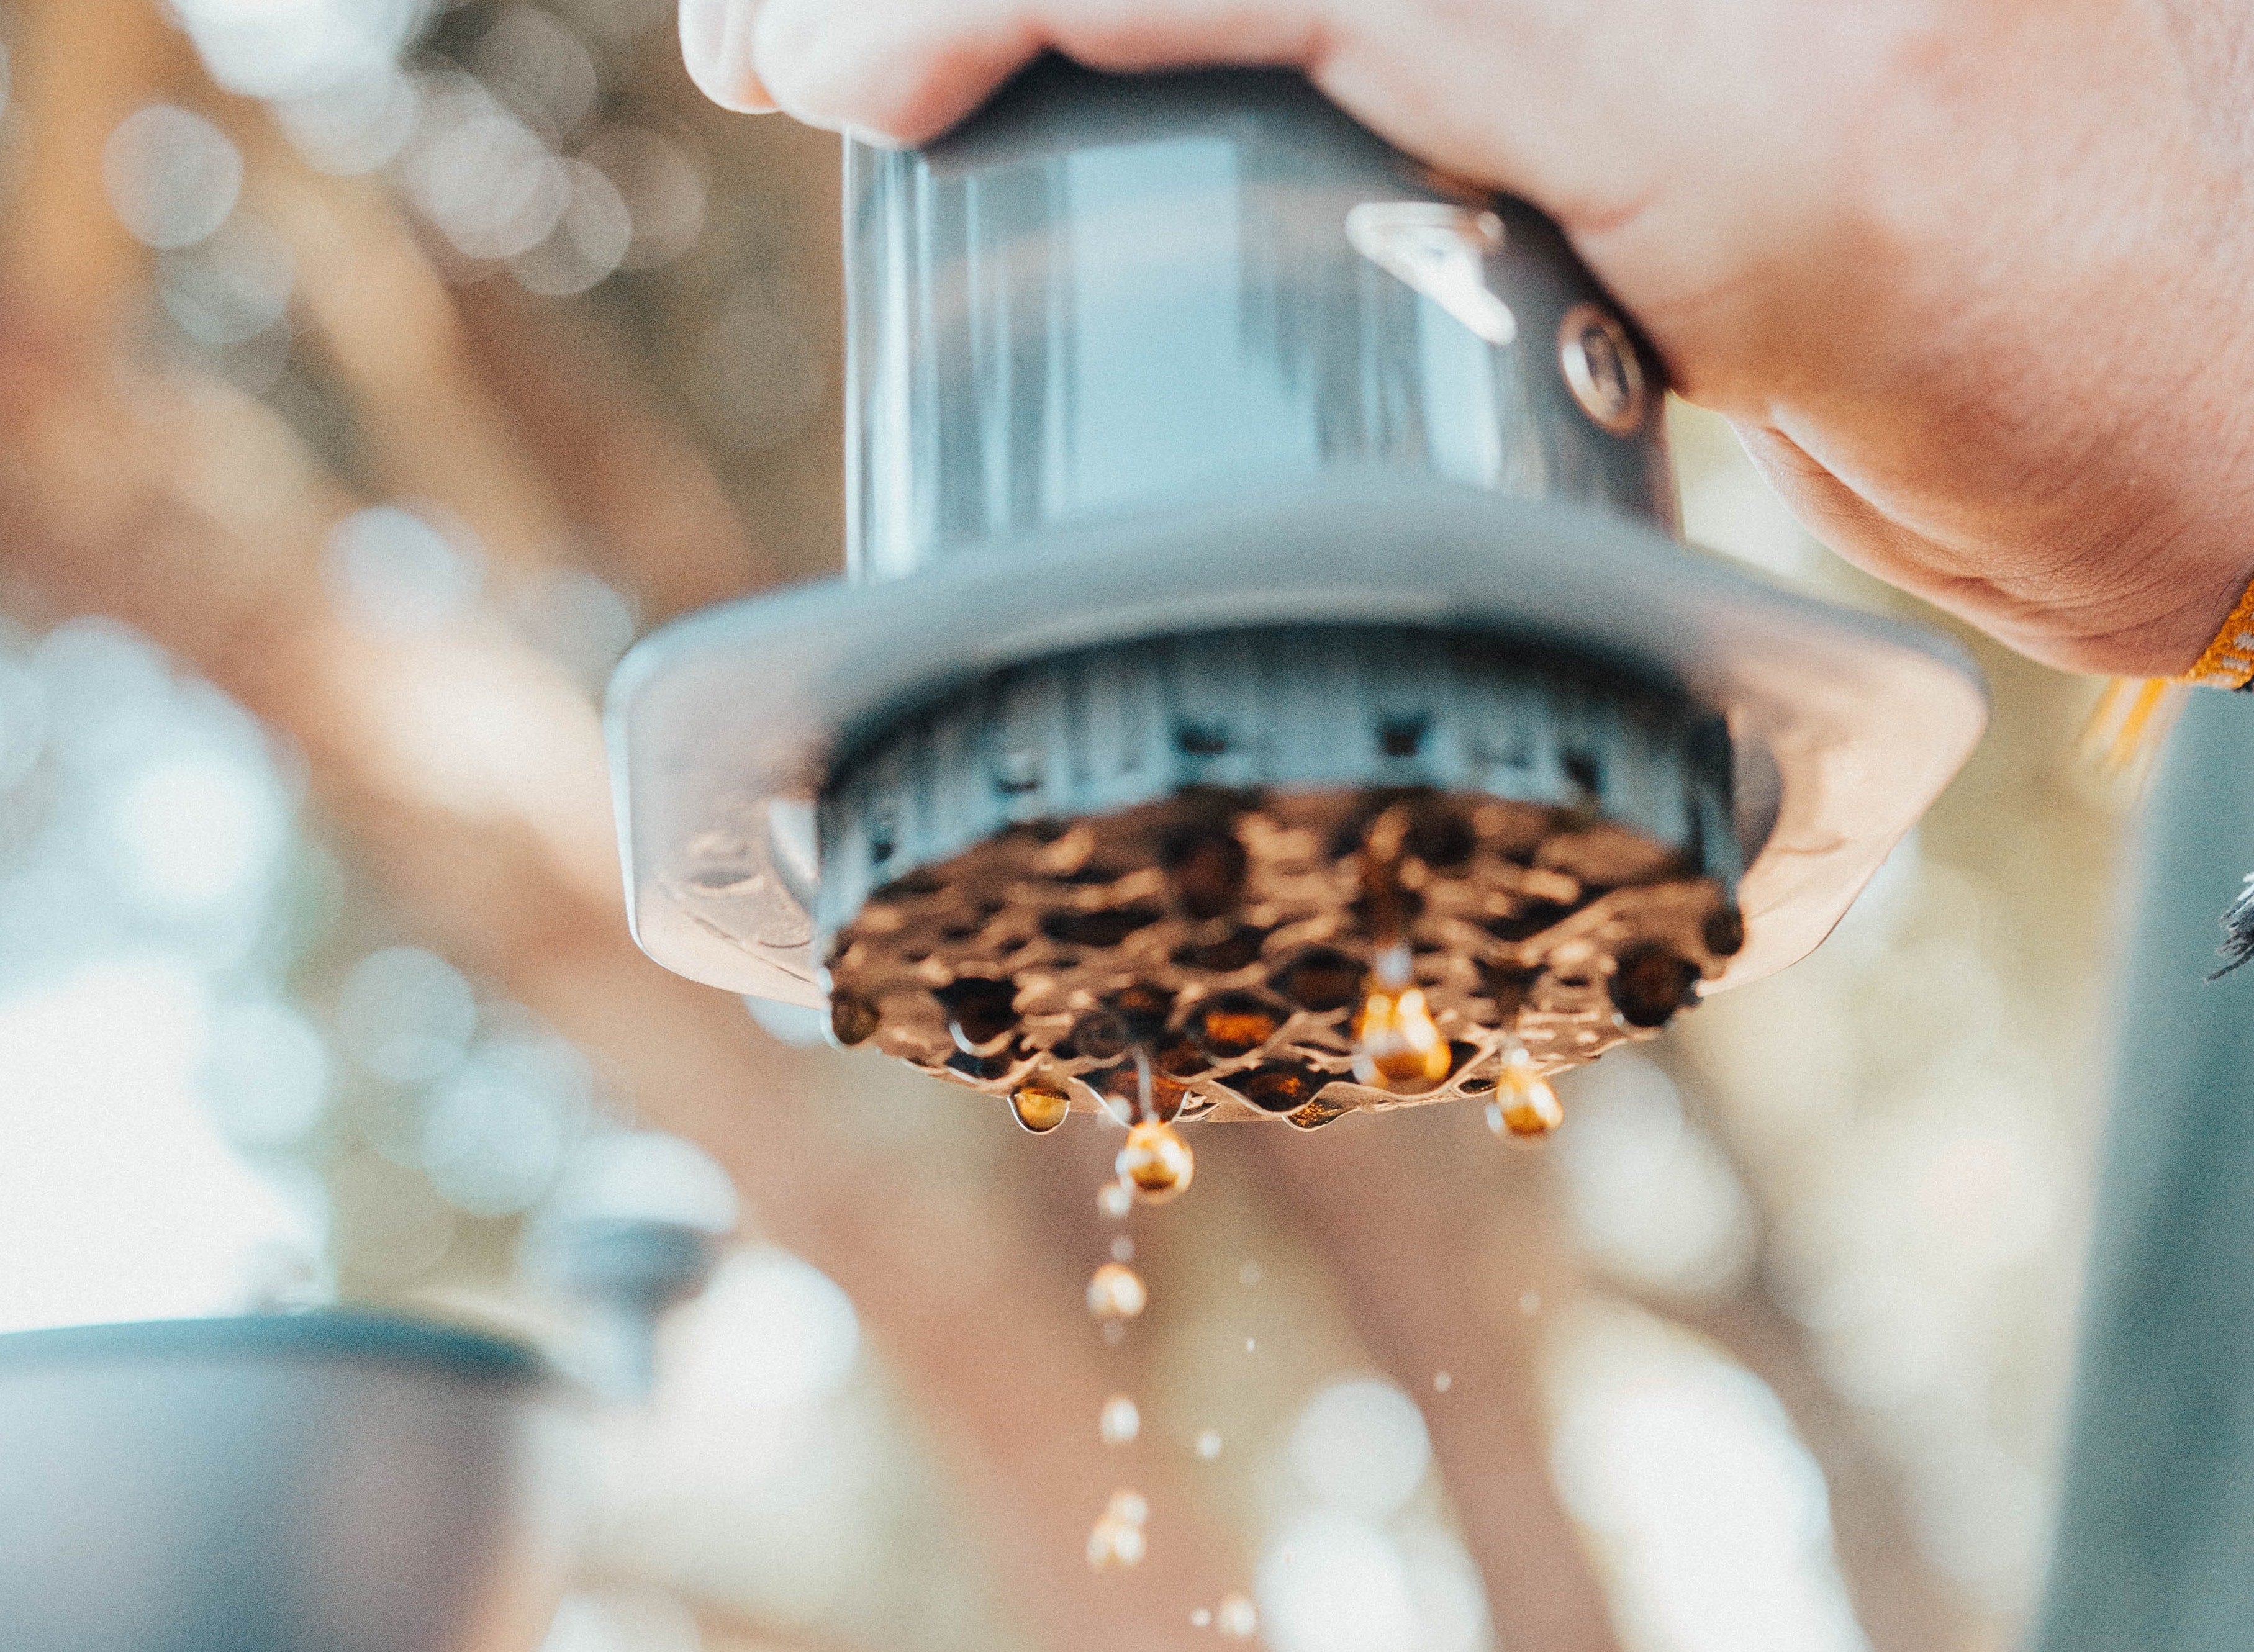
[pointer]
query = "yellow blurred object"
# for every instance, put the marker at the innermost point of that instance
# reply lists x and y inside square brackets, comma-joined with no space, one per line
[1117,1293]
[2228,660]
[1039,1108]
[2130,724]
[1524,1106]
[1397,1045]
[1157,1161]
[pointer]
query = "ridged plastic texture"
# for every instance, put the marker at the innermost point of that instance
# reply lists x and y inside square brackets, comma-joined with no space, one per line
[1311,707]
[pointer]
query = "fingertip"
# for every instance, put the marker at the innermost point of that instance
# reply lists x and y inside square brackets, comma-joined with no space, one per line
[714,48]
[888,74]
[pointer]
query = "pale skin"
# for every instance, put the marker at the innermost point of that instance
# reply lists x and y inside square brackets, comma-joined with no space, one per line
[1974,278]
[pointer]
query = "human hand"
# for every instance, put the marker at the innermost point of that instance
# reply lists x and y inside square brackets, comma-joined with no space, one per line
[1969,279]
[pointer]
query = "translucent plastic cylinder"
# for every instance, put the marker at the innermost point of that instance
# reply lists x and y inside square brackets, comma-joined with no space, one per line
[1110,295]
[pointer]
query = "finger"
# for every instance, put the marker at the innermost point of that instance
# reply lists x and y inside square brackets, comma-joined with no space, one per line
[716,45]
[1851,525]
[2035,621]
[909,69]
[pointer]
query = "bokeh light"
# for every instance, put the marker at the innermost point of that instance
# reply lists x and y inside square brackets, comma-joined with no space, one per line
[119,1197]
[298,48]
[1653,1198]
[1360,1446]
[196,829]
[589,241]
[266,1073]
[1330,1582]
[395,571]
[354,126]
[536,64]
[1715,1516]
[173,176]
[230,286]
[645,1176]
[663,191]
[406,1015]
[759,380]
[772,1332]
[483,179]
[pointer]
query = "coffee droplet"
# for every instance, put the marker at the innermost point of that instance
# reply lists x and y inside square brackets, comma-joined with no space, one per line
[851,1020]
[1396,1045]
[1115,1200]
[1120,1421]
[1199,1618]
[1236,1618]
[1117,1293]
[1039,1108]
[1115,1542]
[1524,1105]
[1156,1161]
[1209,1445]
[1116,1539]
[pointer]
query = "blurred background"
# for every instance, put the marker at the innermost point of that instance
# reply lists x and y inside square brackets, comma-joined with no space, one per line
[372,373]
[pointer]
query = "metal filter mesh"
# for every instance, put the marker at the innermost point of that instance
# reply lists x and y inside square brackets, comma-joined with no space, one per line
[1227,930]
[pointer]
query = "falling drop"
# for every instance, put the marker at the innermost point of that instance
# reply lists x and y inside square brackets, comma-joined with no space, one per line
[1114,1332]
[1396,1046]
[1115,1200]
[1156,1161]
[1117,1293]
[1116,1537]
[1236,1618]
[1123,1249]
[1248,1344]
[1442,1382]
[1039,1108]
[1209,1445]
[1121,1420]
[1529,1303]
[1199,1617]
[1115,1542]
[1524,1105]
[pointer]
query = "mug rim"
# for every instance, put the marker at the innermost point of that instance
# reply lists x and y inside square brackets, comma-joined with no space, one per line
[323,1334]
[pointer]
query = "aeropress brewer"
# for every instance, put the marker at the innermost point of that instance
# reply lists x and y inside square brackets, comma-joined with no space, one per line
[1262,602]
